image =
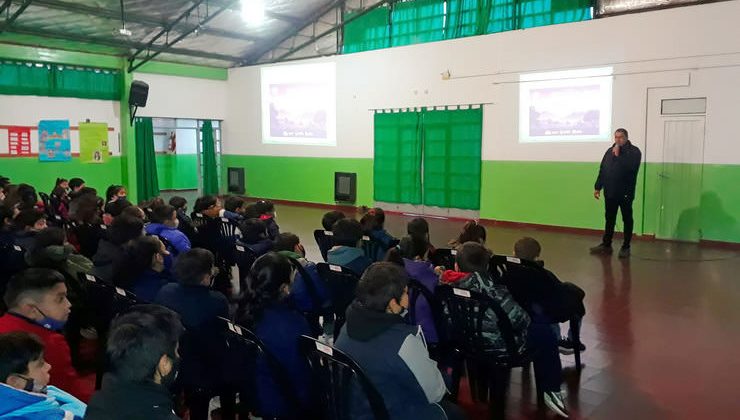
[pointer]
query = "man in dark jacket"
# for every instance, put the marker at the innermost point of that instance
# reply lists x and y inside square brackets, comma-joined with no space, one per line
[392,353]
[617,177]
[143,355]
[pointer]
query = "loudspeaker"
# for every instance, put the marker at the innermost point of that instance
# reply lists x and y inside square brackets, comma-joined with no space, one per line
[138,93]
[345,187]
[236,181]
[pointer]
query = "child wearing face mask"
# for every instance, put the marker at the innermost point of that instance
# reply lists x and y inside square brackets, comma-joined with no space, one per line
[164,223]
[24,382]
[37,303]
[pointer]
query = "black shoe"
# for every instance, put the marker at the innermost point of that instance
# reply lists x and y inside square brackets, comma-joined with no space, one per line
[566,346]
[624,252]
[602,249]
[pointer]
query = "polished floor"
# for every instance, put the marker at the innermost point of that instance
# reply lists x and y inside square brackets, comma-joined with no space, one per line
[662,329]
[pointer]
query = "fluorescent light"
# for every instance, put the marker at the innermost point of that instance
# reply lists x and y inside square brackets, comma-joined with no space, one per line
[253,11]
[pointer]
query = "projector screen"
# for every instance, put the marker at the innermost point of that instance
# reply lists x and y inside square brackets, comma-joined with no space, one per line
[299,104]
[565,106]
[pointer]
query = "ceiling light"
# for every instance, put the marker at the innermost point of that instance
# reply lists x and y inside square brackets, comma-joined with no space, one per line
[253,11]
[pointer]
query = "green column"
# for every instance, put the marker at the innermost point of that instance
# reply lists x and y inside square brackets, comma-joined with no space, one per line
[128,144]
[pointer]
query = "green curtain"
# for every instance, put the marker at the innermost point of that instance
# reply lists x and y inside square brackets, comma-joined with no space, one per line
[417,21]
[147,186]
[452,158]
[397,163]
[502,16]
[368,32]
[467,18]
[210,167]
[532,13]
[18,78]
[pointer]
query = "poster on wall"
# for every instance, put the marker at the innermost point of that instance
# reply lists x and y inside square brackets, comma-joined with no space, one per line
[93,142]
[54,145]
[19,141]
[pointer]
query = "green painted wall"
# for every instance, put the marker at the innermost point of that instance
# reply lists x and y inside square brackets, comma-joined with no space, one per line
[177,172]
[309,180]
[547,193]
[42,175]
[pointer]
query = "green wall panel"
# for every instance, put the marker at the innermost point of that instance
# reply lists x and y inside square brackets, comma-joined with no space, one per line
[177,172]
[300,179]
[42,175]
[547,193]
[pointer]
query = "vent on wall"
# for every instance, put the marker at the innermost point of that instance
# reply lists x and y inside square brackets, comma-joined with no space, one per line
[345,187]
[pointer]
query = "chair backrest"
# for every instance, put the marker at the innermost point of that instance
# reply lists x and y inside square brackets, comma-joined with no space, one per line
[198,220]
[444,257]
[465,312]
[501,264]
[308,281]
[418,290]
[253,349]
[325,240]
[341,282]
[12,261]
[335,373]
[372,248]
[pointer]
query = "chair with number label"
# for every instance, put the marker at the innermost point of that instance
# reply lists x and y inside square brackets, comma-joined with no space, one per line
[341,283]
[324,239]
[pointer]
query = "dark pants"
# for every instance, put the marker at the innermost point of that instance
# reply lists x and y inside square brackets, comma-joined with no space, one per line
[543,344]
[612,205]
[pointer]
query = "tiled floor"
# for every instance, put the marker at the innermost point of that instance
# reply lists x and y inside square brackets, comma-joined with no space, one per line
[662,329]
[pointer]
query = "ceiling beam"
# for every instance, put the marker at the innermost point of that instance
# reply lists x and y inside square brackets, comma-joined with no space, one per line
[100,12]
[272,15]
[18,12]
[266,46]
[132,65]
[5,5]
[122,44]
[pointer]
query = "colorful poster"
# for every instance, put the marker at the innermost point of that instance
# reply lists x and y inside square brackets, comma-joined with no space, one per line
[54,145]
[93,142]
[19,141]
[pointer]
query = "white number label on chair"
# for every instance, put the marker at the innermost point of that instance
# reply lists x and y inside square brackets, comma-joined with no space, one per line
[231,327]
[90,278]
[336,268]
[328,233]
[17,248]
[513,260]
[453,252]
[365,238]
[240,248]
[324,349]
[461,292]
[120,291]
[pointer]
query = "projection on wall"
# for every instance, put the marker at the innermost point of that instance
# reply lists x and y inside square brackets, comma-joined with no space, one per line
[565,106]
[299,104]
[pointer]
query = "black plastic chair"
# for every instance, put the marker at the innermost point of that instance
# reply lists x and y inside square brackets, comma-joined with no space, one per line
[325,240]
[337,375]
[245,345]
[106,302]
[444,257]
[12,261]
[86,237]
[342,283]
[465,312]
[320,309]
[501,264]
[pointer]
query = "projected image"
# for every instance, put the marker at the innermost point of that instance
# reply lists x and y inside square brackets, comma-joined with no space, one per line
[565,106]
[299,104]
[296,111]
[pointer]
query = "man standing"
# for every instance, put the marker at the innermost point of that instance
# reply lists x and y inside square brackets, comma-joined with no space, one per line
[618,176]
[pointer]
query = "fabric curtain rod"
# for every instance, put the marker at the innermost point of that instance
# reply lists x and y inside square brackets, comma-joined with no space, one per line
[429,108]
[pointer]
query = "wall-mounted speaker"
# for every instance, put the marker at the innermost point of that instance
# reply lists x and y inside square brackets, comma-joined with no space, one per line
[345,187]
[138,94]
[236,182]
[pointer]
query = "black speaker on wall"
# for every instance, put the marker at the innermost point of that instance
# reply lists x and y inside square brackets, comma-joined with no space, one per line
[137,96]
[345,187]
[236,183]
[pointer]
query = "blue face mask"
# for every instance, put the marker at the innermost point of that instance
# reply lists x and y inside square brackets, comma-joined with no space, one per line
[50,323]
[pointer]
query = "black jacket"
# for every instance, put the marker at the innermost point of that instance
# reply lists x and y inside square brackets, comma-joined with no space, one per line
[122,400]
[618,174]
[532,286]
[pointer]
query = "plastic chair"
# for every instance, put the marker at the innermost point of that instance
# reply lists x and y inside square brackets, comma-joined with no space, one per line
[342,283]
[325,240]
[337,374]
[444,257]
[12,261]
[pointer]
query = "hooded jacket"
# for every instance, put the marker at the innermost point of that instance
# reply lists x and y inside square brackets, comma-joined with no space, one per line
[177,239]
[56,404]
[299,290]
[56,353]
[349,257]
[423,272]
[103,260]
[394,357]
[123,400]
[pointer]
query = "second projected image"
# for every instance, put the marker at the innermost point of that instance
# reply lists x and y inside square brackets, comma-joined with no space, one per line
[299,104]
[565,106]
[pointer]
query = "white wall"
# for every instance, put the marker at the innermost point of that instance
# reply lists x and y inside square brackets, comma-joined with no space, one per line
[29,110]
[693,47]
[183,97]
